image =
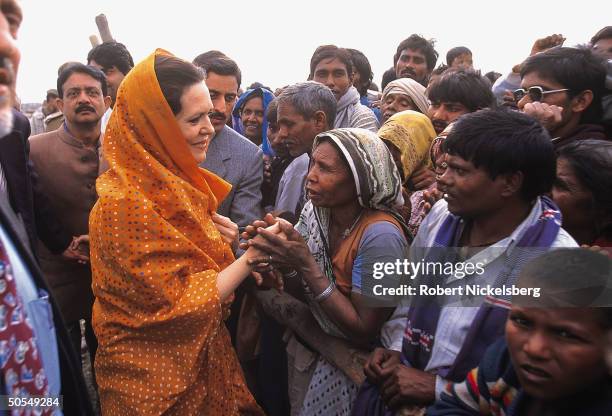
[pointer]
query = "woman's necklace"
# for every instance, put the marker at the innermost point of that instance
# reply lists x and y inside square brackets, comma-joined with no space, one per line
[349,230]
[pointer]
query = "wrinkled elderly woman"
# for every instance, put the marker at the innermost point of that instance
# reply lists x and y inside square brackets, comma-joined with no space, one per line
[163,272]
[401,95]
[349,222]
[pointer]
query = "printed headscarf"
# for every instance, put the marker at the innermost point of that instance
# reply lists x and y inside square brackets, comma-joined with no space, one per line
[412,133]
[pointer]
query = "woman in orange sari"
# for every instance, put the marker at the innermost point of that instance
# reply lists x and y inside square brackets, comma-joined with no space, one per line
[162,272]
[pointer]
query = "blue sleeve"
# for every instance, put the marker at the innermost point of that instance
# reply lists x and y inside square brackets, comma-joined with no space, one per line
[381,242]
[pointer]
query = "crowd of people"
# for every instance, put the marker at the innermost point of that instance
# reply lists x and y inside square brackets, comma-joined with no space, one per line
[147,206]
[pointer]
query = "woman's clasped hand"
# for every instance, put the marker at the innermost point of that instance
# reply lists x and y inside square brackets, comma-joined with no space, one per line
[277,250]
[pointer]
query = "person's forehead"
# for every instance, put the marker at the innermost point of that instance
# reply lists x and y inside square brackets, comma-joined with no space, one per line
[330,64]
[536,78]
[222,83]
[465,164]
[412,52]
[254,101]
[465,55]
[79,79]
[325,151]
[603,43]
[455,104]
[559,316]
[197,94]
[286,110]
[457,158]
[397,96]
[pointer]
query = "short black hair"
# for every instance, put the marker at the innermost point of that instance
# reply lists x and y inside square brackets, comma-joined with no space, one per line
[440,69]
[462,85]
[492,76]
[388,76]
[503,141]
[605,33]
[258,84]
[418,43]
[77,67]
[330,52]
[555,272]
[455,52]
[219,63]
[272,111]
[363,67]
[591,161]
[109,54]
[174,76]
[51,94]
[577,69]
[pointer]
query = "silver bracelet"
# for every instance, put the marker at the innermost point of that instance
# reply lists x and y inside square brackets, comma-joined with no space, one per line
[326,293]
[291,274]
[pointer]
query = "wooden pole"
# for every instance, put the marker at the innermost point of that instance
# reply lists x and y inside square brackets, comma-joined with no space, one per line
[103,28]
[93,39]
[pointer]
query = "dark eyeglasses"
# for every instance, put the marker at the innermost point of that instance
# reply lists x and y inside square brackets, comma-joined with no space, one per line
[536,93]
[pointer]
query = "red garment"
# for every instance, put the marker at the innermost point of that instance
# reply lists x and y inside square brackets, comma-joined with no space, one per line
[20,363]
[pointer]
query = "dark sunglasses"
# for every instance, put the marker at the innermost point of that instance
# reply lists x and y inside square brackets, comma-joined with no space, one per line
[536,93]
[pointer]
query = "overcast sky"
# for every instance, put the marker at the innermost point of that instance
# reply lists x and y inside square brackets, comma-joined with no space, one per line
[272,41]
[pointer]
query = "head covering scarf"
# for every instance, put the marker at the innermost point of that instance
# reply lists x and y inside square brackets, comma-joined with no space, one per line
[155,256]
[378,186]
[411,88]
[412,134]
[267,97]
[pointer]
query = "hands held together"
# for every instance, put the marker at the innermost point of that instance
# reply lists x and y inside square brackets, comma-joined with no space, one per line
[275,248]
[399,385]
[78,250]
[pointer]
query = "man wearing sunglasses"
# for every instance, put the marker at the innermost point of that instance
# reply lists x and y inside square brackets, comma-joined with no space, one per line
[562,89]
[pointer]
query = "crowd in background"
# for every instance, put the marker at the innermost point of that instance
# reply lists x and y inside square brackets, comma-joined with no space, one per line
[162,227]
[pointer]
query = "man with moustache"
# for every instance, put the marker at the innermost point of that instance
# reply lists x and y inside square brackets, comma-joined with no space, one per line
[67,161]
[39,329]
[230,155]
[415,58]
[455,93]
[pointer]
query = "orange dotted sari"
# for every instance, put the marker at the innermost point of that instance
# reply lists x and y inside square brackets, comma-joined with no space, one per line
[155,255]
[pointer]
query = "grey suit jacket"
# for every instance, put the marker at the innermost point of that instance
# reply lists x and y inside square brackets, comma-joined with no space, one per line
[240,162]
